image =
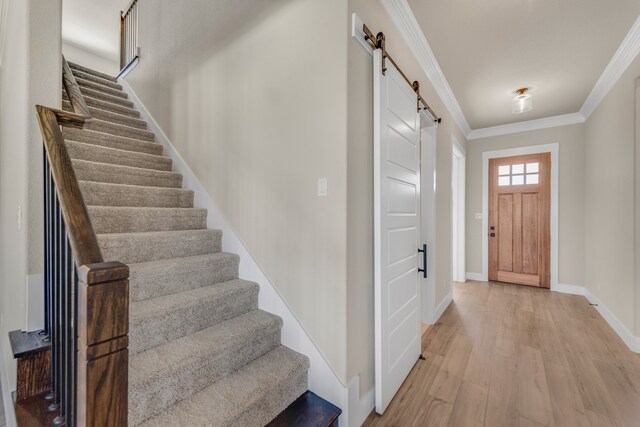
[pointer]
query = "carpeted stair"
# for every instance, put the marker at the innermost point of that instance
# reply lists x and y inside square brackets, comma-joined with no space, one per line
[201,352]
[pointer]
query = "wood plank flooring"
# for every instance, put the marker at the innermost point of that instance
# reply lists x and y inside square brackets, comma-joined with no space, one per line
[508,355]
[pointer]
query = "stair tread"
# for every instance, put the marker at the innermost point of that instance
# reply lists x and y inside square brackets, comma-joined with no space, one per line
[94,137]
[100,154]
[92,93]
[106,172]
[87,76]
[102,88]
[110,106]
[157,245]
[97,193]
[76,66]
[121,129]
[225,401]
[158,278]
[165,318]
[158,360]
[127,219]
[110,116]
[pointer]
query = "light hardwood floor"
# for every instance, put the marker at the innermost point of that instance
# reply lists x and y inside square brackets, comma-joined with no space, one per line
[508,355]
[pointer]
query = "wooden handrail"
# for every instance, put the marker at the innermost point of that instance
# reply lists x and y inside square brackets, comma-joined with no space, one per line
[76,216]
[95,347]
[73,92]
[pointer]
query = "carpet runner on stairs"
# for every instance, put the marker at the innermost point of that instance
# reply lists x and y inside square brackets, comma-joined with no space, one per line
[201,352]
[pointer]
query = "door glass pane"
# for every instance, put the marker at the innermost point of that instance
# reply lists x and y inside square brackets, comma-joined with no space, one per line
[517,180]
[503,180]
[503,170]
[532,178]
[532,167]
[517,168]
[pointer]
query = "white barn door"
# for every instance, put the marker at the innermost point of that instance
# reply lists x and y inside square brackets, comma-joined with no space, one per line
[396,229]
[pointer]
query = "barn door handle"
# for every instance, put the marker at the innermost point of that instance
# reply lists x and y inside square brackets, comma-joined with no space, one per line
[423,250]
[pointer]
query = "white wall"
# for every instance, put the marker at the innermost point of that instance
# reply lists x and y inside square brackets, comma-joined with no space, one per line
[258,112]
[610,172]
[571,190]
[90,59]
[30,74]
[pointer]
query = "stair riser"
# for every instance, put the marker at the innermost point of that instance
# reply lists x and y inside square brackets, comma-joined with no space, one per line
[149,399]
[111,117]
[98,172]
[129,249]
[75,66]
[101,88]
[281,395]
[145,283]
[95,79]
[99,194]
[95,153]
[129,222]
[87,92]
[121,130]
[112,141]
[148,333]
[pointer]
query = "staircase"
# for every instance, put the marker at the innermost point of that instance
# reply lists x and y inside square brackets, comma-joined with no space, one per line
[201,352]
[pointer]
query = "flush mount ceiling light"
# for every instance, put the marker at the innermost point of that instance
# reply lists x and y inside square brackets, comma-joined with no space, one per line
[522,101]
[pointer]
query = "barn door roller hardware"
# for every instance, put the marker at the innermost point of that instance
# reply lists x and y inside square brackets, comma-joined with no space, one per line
[378,42]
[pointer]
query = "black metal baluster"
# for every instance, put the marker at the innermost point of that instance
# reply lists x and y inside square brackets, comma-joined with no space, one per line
[71,419]
[55,280]
[47,297]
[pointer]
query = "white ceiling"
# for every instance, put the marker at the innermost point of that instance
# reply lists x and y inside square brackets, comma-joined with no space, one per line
[93,25]
[488,48]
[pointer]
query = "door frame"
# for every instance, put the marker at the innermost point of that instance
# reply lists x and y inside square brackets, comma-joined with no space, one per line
[428,214]
[458,188]
[554,149]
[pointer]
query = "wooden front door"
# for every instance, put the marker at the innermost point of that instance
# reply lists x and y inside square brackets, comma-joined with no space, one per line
[519,219]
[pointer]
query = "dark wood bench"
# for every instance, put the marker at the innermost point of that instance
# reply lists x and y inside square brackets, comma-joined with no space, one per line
[309,410]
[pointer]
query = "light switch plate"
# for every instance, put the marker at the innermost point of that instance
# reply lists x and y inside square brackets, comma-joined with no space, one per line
[322,187]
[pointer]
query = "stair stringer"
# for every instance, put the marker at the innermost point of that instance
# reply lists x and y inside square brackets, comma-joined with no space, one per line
[322,378]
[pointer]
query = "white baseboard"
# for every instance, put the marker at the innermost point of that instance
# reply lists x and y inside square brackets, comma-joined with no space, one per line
[568,289]
[359,407]
[7,399]
[442,306]
[322,378]
[625,334]
[475,276]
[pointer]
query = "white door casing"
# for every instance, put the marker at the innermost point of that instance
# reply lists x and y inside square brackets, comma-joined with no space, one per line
[428,215]
[396,230]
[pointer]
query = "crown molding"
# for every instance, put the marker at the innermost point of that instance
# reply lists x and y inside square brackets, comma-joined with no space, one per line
[545,123]
[403,18]
[624,56]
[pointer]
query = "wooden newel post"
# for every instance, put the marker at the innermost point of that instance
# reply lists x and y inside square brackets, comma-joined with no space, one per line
[103,356]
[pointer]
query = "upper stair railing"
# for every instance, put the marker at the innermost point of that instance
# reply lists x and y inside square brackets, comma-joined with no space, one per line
[86,299]
[129,48]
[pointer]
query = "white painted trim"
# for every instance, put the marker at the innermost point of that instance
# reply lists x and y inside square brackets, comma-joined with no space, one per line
[548,122]
[428,222]
[359,407]
[442,306]
[7,399]
[406,22]
[554,149]
[358,34]
[4,12]
[569,289]
[477,277]
[629,339]
[624,56]
[322,378]
[459,245]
